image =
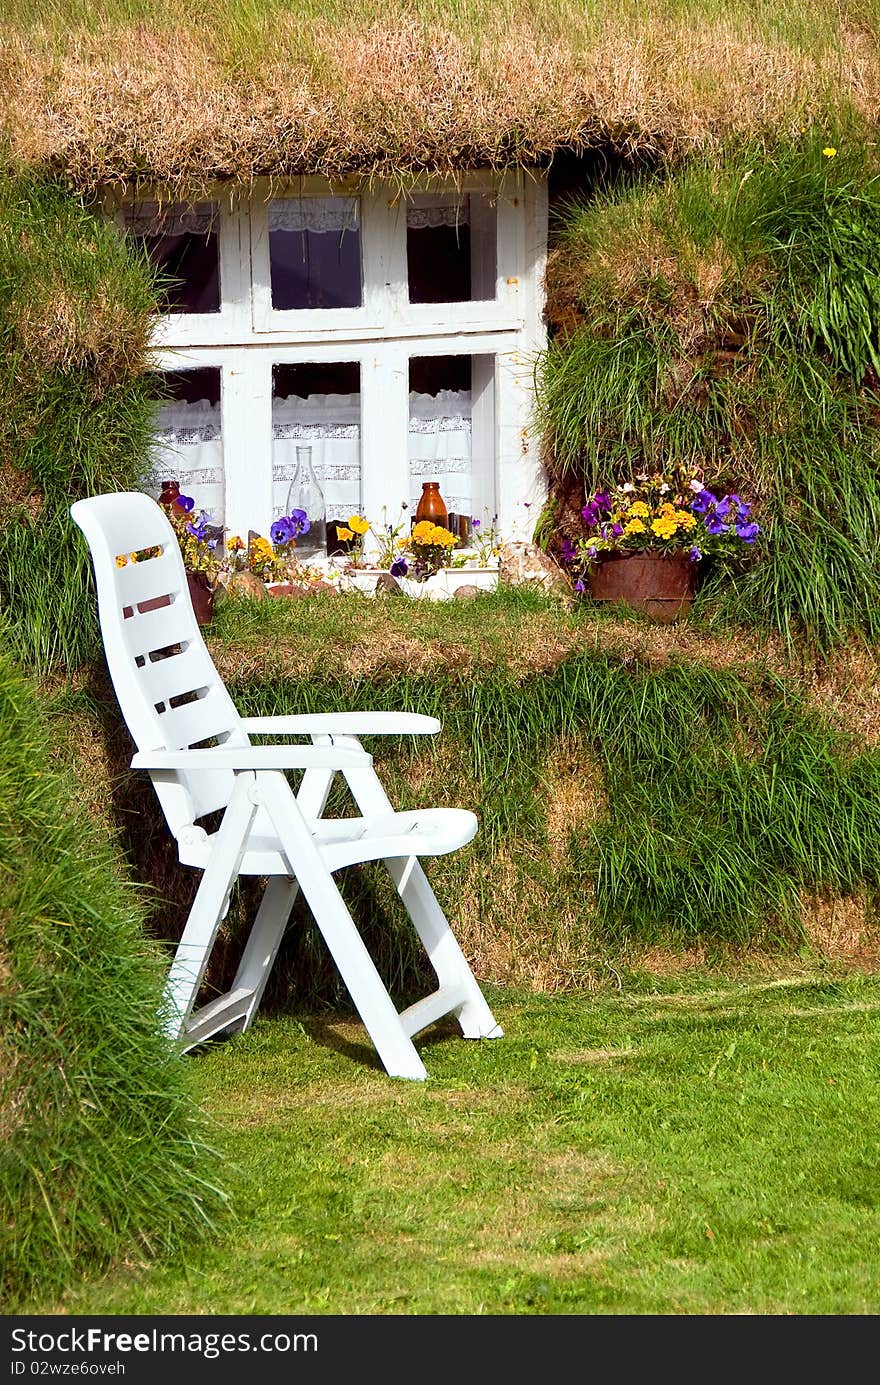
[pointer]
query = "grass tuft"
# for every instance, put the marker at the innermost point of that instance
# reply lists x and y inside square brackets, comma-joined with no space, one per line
[102,1149]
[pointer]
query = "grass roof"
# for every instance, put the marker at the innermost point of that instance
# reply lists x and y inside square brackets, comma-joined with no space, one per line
[242,88]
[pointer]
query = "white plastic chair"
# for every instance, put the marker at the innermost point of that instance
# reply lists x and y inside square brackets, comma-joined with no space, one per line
[197,751]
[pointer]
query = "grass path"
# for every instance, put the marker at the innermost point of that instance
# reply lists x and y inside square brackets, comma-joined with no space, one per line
[708,1149]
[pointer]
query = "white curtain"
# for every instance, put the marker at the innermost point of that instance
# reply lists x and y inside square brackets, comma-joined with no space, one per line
[331,425]
[428,210]
[171,218]
[318,214]
[188,448]
[440,447]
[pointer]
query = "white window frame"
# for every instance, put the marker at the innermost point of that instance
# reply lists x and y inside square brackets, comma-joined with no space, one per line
[247,337]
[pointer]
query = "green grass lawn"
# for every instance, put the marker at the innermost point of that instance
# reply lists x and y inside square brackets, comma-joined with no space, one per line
[683,1147]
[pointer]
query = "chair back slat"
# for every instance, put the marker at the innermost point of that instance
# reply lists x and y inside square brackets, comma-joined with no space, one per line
[151,578]
[157,654]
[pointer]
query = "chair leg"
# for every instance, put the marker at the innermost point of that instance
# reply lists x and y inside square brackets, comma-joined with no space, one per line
[262,945]
[428,919]
[440,943]
[364,984]
[270,924]
[194,948]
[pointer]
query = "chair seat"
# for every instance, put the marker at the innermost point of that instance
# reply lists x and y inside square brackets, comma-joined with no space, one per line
[345,841]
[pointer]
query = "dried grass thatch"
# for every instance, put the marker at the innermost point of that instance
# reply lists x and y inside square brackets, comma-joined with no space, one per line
[253,87]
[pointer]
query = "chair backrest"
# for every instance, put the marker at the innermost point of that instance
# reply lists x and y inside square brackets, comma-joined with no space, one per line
[169,691]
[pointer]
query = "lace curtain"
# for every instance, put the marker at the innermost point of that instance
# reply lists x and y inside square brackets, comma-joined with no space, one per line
[337,214]
[439,449]
[317,214]
[171,219]
[188,446]
[427,215]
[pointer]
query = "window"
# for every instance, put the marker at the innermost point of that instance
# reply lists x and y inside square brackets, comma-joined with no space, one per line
[318,407]
[315,252]
[182,242]
[392,334]
[450,247]
[189,443]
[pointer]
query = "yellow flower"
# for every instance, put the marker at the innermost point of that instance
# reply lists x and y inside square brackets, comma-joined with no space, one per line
[639,510]
[121,560]
[829,152]
[664,528]
[422,531]
[686,520]
[666,510]
[234,543]
[358,524]
[635,526]
[343,534]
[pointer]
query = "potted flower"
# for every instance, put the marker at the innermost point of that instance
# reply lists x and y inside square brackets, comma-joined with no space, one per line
[644,539]
[478,565]
[200,546]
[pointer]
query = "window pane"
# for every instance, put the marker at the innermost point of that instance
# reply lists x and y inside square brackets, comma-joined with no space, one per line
[318,406]
[440,435]
[182,241]
[451,247]
[315,252]
[188,445]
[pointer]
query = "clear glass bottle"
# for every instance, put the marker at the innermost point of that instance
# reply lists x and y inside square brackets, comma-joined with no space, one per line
[305,494]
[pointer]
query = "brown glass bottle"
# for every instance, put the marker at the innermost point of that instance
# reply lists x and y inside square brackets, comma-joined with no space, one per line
[431,505]
[170,494]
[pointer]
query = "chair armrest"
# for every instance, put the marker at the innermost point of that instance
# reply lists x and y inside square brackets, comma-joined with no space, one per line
[343,724]
[251,757]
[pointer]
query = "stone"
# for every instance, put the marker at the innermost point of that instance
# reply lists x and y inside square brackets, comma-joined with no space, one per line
[467,592]
[246,585]
[526,563]
[386,583]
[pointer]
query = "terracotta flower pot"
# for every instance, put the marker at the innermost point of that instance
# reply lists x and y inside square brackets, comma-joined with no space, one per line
[202,596]
[660,584]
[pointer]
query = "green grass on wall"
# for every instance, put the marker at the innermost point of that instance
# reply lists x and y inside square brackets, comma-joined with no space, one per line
[728,316]
[635,786]
[102,1149]
[75,407]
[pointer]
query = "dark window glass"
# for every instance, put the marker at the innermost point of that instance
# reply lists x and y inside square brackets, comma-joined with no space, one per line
[183,243]
[315,252]
[450,248]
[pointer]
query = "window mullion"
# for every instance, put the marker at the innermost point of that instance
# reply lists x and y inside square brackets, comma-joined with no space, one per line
[247,440]
[384,458]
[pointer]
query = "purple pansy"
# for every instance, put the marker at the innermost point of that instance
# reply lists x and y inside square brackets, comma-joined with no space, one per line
[568,550]
[299,522]
[695,555]
[199,530]
[579,586]
[185,502]
[714,525]
[399,568]
[475,524]
[591,513]
[748,532]
[722,507]
[282,531]
[702,501]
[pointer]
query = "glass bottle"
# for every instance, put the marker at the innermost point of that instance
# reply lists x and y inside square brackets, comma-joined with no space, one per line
[305,494]
[431,504]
